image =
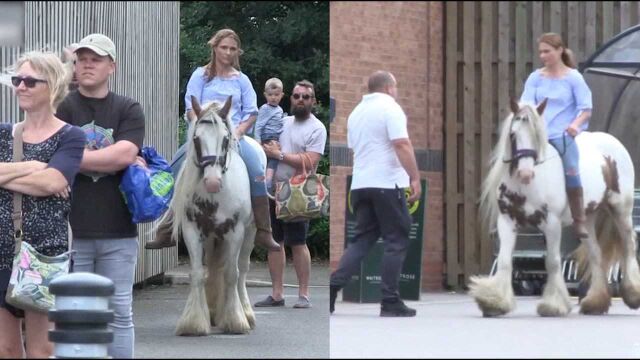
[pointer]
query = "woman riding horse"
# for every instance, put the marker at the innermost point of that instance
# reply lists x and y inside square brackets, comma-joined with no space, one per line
[567,113]
[217,80]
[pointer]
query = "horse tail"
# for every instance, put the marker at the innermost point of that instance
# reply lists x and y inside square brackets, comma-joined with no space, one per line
[608,239]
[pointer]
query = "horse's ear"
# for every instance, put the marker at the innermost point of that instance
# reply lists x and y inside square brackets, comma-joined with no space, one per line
[541,106]
[225,109]
[196,106]
[514,106]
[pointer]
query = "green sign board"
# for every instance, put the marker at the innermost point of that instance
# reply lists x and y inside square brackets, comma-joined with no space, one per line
[364,286]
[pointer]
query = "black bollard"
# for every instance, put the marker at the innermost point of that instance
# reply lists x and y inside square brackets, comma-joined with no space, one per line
[81,314]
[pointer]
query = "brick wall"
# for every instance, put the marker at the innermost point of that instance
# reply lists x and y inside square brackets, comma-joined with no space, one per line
[406,39]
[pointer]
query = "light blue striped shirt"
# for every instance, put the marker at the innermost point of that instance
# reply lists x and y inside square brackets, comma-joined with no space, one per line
[567,97]
[269,122]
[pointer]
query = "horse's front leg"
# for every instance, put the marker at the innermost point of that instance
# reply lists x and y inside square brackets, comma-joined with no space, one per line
[231,318]
[214,286]
[555,298]
[494,294]
[195,317]
[243,266]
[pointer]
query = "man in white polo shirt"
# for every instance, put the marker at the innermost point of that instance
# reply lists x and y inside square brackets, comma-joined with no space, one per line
[383,165]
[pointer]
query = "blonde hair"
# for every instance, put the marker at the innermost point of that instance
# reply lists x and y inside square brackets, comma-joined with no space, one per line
[555,40]
[210,68]
[51,68]
[273,84]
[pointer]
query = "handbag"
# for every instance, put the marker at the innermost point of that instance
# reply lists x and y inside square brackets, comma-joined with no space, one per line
[303,197]
[31,272]
[147,191]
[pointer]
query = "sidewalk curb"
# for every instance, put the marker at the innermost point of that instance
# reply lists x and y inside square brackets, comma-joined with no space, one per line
[184,279]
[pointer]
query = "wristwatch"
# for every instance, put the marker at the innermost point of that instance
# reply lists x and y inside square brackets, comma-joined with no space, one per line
[281,157]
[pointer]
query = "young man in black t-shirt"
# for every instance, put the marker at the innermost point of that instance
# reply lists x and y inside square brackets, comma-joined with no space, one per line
[105,238]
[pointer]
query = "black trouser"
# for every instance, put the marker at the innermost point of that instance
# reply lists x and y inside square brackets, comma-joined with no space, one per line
[379,212]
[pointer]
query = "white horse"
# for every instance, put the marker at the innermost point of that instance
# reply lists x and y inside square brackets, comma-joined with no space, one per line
[525,186]
[212,209]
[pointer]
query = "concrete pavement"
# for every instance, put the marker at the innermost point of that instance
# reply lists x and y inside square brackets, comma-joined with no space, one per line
[282,332]
[450,325]
[258,274]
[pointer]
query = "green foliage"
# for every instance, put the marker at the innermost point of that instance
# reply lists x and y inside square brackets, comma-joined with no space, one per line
[288,40]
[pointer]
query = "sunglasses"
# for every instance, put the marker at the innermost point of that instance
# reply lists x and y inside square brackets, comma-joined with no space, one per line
[28,81]
[304,97]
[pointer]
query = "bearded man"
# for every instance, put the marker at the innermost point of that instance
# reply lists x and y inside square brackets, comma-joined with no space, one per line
[303,136]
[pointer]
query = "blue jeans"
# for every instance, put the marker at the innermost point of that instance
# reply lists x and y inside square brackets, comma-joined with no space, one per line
[251,160]
[568,149]
[114,259]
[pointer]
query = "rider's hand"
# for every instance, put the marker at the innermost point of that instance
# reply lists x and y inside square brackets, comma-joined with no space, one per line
[573,130]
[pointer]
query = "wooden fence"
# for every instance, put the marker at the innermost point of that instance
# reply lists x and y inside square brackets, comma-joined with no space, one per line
[490,49]
[146,35]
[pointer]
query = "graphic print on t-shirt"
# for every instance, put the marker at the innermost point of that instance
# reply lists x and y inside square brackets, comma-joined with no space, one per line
[97,138]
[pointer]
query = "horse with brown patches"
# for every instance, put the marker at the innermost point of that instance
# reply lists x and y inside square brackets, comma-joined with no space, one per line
[212,211]
[526,186]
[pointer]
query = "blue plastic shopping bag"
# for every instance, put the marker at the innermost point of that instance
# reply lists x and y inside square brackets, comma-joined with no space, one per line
[148,191]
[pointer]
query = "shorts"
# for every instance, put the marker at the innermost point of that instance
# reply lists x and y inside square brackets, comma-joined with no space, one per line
[292,233]
[265,138]
[5,275]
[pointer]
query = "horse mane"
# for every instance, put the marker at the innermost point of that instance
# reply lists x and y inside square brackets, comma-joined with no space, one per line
[190,175]
[498,169]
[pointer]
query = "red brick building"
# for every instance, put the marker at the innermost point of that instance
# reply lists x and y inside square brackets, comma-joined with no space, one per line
[405,38]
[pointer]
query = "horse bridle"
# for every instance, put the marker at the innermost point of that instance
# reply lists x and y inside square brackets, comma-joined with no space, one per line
[210,160]
[517,154]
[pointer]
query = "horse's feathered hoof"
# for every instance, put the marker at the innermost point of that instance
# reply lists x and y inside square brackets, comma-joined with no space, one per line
[252,321]
[630,295]
[184,331]
[491,298]
[595,304]
[239,327]
[490,308]
[549,310]
[491,312]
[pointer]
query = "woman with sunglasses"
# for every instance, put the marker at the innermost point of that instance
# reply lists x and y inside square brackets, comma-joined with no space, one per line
[52,151]
[216,81]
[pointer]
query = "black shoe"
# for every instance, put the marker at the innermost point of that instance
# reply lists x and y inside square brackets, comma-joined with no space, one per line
[269,301]
[395,308]
[333,295]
